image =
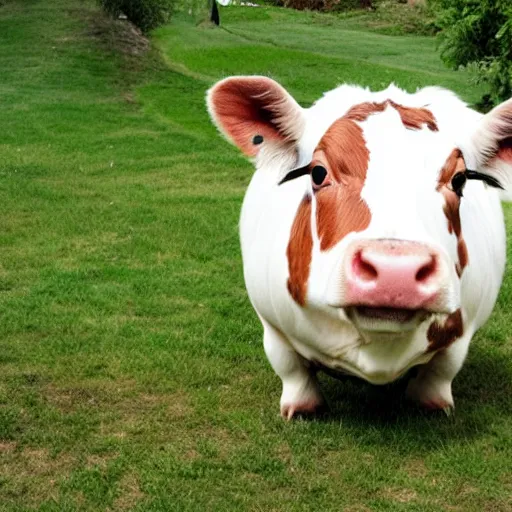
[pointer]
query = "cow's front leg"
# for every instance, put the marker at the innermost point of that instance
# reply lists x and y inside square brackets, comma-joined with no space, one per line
[432,386]
[301,393]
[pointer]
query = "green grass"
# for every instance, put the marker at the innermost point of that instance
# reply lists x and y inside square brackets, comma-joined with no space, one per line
[132,375]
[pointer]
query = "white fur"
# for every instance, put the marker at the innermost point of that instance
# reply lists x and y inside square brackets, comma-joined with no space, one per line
[400,190]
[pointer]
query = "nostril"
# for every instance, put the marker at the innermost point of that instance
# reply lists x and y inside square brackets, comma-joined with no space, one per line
[364,270]
[427,271]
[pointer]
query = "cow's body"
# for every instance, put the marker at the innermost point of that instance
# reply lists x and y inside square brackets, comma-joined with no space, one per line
[317,257]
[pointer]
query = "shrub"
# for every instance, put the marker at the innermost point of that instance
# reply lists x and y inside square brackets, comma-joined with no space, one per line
[328,5]
[477,34]
[301,5]
[146,14]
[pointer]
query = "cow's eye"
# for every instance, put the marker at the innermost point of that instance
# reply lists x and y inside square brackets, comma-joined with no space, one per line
[458,182]
[318,175]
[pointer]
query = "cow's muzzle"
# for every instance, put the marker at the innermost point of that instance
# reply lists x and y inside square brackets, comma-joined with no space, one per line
[393,282]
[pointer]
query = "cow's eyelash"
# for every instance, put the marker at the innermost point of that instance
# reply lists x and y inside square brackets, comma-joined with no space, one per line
[303,171]
[459,180]
[468,173]
[295,173]
[488,180]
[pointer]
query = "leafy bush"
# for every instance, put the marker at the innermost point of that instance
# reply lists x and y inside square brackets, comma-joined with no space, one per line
[478,34]
[326,5]
[146,14]
[301,5]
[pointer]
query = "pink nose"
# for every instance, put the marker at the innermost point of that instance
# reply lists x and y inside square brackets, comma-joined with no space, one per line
[392,274]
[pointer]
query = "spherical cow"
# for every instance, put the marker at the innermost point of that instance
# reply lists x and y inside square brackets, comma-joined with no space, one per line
[372,232]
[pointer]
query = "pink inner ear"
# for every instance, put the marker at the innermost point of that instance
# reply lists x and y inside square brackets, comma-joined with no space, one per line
[248,107]
[505,150]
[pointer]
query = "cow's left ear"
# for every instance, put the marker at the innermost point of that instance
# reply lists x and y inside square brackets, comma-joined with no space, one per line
[252,111]
[491,146]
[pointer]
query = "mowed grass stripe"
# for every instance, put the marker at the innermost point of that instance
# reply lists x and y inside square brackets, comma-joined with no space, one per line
[132,372]
[293,52]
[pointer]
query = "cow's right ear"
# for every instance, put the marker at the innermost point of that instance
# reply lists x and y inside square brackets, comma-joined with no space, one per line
[491,147]
[254,110]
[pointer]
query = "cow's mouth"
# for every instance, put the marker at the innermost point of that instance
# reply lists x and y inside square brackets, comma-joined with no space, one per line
[386,319]
[389,314]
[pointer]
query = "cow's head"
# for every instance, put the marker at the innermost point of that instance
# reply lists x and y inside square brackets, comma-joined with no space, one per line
[377,237]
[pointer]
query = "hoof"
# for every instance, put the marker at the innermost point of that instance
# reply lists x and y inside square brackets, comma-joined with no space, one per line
[308,408]
[440,405]
[431,394]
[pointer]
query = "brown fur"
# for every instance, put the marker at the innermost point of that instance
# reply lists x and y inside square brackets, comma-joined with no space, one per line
[340,208]
[415,118]
[442,336]
[255,106]
[412,117]
[299,252]
[362,111]
[454,164]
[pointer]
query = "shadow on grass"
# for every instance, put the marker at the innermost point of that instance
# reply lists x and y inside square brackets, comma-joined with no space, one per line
[382,414]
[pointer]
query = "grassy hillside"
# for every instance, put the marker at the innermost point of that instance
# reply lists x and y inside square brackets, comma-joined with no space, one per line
[132,375]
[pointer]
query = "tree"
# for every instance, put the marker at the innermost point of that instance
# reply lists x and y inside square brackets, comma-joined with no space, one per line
[478,34]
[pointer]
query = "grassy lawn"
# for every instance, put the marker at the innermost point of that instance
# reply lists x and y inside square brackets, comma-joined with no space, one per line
[132,373]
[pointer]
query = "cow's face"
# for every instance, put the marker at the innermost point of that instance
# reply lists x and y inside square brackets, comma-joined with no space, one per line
[377,237]
[383,219]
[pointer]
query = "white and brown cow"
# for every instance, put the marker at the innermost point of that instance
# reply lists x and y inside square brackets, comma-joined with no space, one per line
[372,232]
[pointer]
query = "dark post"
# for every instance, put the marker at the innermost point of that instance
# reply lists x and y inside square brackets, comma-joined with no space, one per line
[215,13]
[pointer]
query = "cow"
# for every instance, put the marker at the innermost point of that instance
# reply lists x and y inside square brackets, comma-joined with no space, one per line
[372,234]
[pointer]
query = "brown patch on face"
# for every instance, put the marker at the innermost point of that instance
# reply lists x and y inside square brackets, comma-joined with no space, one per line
[454,164]
[412,117]
[442,336]
[345,150]
[462,251]
[362,111]
[299,252]
[415,118]
[340,209]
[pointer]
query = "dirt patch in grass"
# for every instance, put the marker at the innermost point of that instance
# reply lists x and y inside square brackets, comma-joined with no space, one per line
[129,493]
[72,398]
[7,447]
[147,417]
[37,461]
[208,443]
[396,18]
[119,398]
[399,495]
[100,461]
[125,42]
[467,490]
[416,468]
[284,453]
[33,473]
[120,36]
